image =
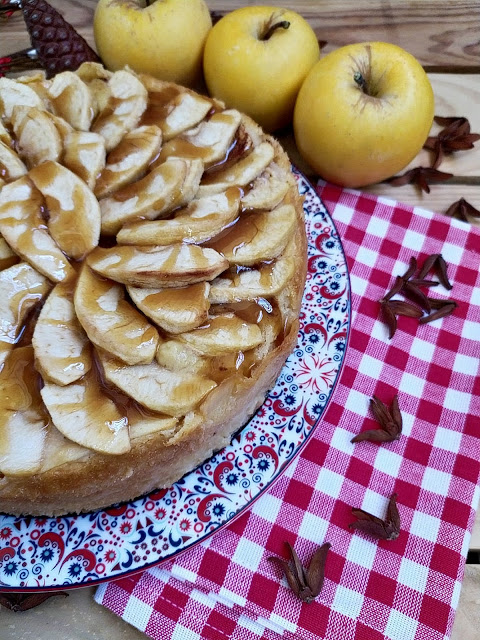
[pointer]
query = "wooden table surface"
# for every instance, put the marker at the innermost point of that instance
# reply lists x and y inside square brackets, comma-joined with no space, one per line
[444,35]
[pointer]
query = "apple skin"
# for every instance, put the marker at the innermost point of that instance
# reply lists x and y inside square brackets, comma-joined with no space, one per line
[164,39]
[353,139]
[259,77]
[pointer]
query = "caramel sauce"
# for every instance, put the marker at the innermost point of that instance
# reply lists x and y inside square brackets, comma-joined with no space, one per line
[236,236]
[159,105]
[4,172]
[20,386]
[177,299]
[108,114]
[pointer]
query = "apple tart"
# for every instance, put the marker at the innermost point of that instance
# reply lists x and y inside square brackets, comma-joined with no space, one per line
[152,265]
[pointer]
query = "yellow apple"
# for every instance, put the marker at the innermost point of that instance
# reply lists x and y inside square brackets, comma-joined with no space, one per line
[363,113]
[256,59]
[164,38]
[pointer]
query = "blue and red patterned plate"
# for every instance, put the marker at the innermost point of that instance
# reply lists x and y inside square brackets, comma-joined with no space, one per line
[57,553]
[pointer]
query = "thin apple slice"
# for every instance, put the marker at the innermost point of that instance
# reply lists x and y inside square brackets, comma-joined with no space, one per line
[71,100]
[14,93]
[7,256]
[170,185]
[85,415]
[23,227]
[199,221]
[176,355]
[89,71]
[241,173]
[84,154]
[37,137]
[173,266]
[21,288]
[5,137]
[59,450]
[23,419]
[172,108]
[210,140]
[129,160]
[62,351]
[11,165]
[74,220]
[250,284]
[111,322]
[176,309]
[143,425]
[128,100]
[269,189]
[154,387]
[224,334]
[257,237]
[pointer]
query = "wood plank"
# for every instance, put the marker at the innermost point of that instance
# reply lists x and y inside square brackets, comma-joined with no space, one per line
[437,32]
[467,619]
[475,539]
[77,617]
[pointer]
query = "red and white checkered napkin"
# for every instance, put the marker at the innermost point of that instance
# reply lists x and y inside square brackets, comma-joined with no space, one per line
[406,589]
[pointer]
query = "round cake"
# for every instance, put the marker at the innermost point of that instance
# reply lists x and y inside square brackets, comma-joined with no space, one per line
[153,260]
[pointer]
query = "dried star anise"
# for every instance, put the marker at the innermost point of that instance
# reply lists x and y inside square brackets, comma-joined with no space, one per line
[421,176]
[455,136]
[462,209]
[411,288]
[24,601]
[306,584]
[388,529]
[390,421]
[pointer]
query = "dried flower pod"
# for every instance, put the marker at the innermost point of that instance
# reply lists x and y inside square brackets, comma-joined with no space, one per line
[390,421]
[441,312]
[462,210]
[422,177]
[387,529]
[306,584]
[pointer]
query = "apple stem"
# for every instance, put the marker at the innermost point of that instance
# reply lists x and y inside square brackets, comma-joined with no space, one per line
[283,24]
[360,80]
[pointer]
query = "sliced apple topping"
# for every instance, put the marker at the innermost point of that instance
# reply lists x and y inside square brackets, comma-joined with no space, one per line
[170,185]
[127,102]
[14,93]
[71,100]
[241,173]
[143,425]
[268,190]
[23,419]
[176,355]
[156,388]
[62,349]
[23,227]
[7,256]
[21,288]
[175,309]
[172,109]
[224,334]
[11,167]
[199,221]
[85,415]
[257,237]
[5,137]
[129,160]
[249,284]
[84,155]
[74,214]
[111,322]
[210,140]
[59,450]
[37,137]
[173,266]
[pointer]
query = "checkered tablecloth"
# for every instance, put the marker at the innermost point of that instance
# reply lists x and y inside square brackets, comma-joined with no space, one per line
[406,589]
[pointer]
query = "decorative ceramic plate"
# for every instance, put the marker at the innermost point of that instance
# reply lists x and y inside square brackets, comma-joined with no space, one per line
[57,553]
